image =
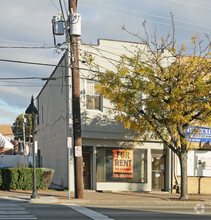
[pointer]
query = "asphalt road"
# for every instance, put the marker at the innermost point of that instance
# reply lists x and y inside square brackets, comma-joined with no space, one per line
[19,210]
[153,212]
[27,211]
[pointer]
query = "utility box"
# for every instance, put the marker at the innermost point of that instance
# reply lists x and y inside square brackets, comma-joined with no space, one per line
[58,25]
[75,24]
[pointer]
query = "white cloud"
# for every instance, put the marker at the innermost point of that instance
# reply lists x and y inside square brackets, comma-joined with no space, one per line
[8,113]
[28,19]
[14,91]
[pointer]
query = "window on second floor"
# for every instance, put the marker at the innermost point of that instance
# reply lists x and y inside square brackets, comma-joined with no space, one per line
[93,99]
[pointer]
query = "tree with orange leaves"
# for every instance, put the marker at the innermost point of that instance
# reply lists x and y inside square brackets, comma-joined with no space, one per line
[161,91]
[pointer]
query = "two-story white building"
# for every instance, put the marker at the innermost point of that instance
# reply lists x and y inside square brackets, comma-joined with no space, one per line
[113,158]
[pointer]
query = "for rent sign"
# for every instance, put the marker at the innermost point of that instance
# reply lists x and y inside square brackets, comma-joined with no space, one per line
[123,163]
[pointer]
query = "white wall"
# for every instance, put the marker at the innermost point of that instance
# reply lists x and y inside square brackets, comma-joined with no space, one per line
[101,124]
[199,163]
[19,161]
[51,130]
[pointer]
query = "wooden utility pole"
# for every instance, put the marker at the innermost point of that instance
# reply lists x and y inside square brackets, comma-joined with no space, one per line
[76,110]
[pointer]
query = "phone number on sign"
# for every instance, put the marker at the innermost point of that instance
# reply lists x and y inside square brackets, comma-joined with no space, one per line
[128,176]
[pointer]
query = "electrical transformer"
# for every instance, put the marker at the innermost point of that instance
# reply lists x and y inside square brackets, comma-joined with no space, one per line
[75,24]
[58,25]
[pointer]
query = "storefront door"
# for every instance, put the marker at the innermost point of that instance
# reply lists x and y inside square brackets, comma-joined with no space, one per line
[158,169]
[87,170]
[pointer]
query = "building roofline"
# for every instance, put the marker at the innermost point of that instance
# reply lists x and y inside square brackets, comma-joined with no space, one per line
[58,65]
[6,130]
[104,39]
[98,43]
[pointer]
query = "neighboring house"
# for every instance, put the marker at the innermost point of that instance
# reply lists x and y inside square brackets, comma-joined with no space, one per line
[113,158]
[8,148]
[6,135]
[6,131]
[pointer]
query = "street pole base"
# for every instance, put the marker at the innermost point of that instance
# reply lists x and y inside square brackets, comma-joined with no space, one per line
[35,195]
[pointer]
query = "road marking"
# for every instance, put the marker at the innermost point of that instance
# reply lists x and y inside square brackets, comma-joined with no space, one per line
[14,217]
[12,208]
[88,212]
[14,212]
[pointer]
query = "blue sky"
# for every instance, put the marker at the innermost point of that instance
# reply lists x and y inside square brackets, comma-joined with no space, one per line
[28,23]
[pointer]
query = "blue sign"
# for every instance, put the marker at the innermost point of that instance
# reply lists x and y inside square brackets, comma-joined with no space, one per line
[199,134]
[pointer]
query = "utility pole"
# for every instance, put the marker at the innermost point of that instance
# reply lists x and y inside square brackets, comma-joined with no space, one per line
[77,149]
[24,136]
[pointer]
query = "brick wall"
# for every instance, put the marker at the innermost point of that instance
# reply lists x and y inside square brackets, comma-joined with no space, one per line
[198,185]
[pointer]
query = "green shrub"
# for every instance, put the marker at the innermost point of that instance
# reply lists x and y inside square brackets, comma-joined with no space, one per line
[22,178]
[25,181]
[14,178]
[0,178]
[47,170]
[6,178]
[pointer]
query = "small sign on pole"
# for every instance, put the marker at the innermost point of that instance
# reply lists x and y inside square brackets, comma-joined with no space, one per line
[69,142]
[78,151]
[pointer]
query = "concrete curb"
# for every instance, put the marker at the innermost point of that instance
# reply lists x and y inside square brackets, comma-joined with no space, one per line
[133,203]
[45,200]
[104,203]
[41,200]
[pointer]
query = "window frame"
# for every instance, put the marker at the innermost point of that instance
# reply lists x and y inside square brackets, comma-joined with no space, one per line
[123,180]
[86,94]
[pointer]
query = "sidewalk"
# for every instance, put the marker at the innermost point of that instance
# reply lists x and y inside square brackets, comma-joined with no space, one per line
[92,197]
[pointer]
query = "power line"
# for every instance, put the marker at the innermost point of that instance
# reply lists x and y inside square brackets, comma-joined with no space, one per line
[20,42]
[18,82]
[149,14]
[31,86]
[150,20]
[25,47]
[190,4]
[8,85]
[42,64]
[100,55]
[19,78]
[32,63]
[54,5]
[65,6]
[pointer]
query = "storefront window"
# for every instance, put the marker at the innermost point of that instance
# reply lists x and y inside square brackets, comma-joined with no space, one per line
[121,165]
